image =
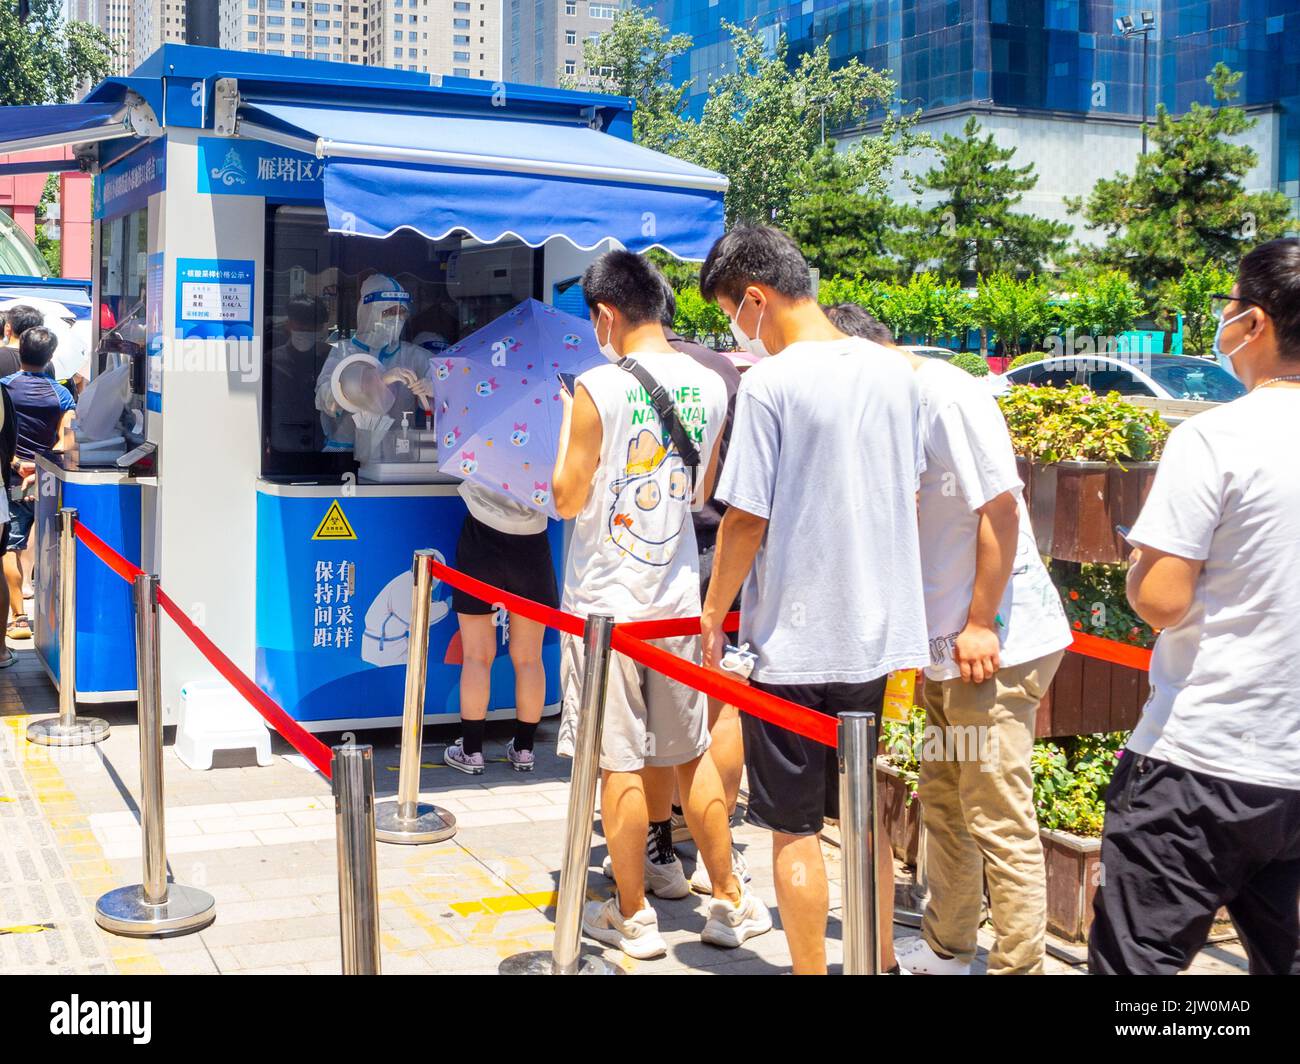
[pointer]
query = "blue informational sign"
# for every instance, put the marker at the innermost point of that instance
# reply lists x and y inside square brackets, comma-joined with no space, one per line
[255,168]
[214,298]
[127,185]
[334,586]
[154,330]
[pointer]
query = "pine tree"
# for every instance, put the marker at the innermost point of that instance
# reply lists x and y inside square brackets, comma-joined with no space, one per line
[1185,205]
[974,231]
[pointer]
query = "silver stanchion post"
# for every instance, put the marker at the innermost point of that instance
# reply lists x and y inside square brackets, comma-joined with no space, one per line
[353,772]
[565,956]
[407,820]
[861,915]
[154,907]
[66,729]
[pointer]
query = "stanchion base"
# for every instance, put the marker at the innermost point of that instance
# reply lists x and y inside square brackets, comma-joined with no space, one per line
[81,732]
[125,912]
[430,824]
[540,962]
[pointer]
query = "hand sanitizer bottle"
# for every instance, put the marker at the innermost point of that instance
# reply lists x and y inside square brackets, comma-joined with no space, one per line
[404,438]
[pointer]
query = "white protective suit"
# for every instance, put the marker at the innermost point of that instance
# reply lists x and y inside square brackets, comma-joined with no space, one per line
[379,292]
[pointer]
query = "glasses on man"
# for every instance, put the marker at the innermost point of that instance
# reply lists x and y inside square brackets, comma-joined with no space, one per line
[1219,303]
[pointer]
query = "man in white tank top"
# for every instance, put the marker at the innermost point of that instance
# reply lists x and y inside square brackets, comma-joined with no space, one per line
[630,488]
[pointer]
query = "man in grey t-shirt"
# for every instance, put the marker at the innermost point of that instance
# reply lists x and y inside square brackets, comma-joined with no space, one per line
[821,529]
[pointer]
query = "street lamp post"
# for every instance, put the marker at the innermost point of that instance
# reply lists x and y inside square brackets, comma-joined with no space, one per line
[1128,29]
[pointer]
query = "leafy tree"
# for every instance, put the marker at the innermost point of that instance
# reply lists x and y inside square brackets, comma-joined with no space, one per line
[926,307]
[46,59]
[699,319]
[1105,304]
[1189,296]
[871,295]
[841,228]
[1185,204]
[762,123]
[974,229]
[1014,311]
[639,53]
[50,248]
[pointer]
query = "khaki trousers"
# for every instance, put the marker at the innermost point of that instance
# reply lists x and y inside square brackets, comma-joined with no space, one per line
[977,801]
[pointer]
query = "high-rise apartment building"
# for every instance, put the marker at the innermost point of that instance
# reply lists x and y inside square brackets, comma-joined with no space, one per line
[544,38]
[456,37]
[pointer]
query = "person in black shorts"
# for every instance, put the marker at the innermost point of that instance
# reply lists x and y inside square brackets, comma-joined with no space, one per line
[502,543]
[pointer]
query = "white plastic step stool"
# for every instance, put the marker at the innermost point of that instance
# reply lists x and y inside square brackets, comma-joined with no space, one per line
[214,717]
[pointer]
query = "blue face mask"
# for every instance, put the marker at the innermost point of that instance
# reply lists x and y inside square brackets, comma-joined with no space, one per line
[1225,358]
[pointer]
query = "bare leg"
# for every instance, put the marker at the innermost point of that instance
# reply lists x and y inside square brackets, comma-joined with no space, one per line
[802,897]
[727,749]
[530,677]
[14,583]
[478,643]
[706,814]
[626,822]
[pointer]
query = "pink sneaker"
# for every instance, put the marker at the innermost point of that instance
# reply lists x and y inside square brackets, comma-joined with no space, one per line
[455,757]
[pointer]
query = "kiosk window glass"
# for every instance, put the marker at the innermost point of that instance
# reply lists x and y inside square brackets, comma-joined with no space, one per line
[314,279]
[123,253]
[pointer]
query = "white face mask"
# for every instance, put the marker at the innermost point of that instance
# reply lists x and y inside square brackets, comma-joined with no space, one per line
[754,345]
[302,339]
[1224,358]
[607,348]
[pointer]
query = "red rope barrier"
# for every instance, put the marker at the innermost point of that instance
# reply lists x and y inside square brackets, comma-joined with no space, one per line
[1092,646]
[534,611]
[297,736]
[798,719]
[676,626]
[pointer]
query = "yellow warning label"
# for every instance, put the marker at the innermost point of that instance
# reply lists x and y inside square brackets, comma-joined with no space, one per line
[334,525]
[26,929]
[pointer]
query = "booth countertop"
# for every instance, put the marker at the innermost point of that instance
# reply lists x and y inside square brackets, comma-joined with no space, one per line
[65,468]
[359,489]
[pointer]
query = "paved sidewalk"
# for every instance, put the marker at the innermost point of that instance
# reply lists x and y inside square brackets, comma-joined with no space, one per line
[261,840]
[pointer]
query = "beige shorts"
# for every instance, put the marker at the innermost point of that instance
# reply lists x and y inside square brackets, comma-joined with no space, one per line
[650,720]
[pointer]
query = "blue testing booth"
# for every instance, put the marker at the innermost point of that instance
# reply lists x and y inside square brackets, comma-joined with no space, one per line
[242,202]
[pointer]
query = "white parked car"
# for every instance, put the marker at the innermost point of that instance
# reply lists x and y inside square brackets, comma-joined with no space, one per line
[944,353]
[1154,376]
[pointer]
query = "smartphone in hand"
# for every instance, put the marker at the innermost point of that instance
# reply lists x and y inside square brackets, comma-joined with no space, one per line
[1124,531]
[568,381]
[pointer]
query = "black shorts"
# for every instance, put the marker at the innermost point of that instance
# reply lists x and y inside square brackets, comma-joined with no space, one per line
[1179,844]
[521,565]
[794,782]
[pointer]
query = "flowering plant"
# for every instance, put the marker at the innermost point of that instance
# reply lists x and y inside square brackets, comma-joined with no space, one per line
[1050,424]
[1096,604]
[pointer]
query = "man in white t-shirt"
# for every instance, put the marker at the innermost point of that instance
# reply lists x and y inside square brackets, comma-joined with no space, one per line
[997,635]
[630,482]
[820,484]
[1204,808]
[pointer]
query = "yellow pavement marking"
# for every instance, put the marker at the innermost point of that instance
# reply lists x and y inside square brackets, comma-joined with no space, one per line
[505,903]
[25,929]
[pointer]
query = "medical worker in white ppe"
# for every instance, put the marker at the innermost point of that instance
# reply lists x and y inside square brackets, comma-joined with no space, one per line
[381,316]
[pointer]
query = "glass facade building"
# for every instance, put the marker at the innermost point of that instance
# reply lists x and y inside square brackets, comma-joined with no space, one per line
[1041,57]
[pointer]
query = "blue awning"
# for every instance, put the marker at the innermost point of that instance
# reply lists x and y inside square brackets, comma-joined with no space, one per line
[497,177]
[59,125]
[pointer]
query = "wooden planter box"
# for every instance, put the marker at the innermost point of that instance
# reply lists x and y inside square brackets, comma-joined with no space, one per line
[1089,696]
[1073,874]
[1075,506]
[902,821]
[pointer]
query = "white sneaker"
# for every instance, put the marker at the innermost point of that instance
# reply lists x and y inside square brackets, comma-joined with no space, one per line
[681,831]
[637,936]
[667,880]
[730,925]
[702,884]
[915,956]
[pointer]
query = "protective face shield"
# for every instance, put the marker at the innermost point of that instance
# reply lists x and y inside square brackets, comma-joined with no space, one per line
[381,314]
[754,345]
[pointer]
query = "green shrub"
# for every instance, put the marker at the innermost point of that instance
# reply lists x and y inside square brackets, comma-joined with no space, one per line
[1025,358]
[1074,424]
[971,363]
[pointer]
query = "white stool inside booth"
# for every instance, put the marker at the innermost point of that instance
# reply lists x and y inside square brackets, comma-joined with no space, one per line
[214,717]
